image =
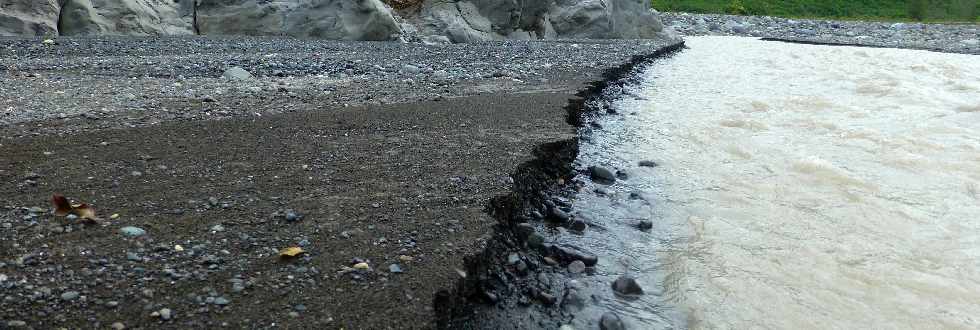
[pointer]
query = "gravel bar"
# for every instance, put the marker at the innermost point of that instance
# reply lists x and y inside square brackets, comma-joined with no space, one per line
[950,38]
[378,160]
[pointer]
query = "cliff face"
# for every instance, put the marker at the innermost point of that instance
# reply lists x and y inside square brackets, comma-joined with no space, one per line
[453,20]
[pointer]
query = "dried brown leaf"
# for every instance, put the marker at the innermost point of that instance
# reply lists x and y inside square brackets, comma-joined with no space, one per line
[61,205]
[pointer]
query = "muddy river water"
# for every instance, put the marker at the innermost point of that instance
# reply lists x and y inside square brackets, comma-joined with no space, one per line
[798,187]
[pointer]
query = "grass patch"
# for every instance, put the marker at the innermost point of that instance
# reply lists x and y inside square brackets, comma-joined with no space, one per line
[897,10]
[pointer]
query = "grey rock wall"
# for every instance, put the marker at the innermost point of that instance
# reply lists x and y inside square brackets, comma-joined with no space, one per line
[328,19]
[455,20]
[125,17]
[29,17]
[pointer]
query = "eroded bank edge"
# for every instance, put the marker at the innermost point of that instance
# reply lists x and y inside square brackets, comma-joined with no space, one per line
[540,185]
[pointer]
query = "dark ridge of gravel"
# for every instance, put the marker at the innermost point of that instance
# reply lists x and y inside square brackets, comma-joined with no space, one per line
[379,170]
[521,279]
[948,38]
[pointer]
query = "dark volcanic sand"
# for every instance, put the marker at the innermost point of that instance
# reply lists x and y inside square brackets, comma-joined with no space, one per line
[371,181]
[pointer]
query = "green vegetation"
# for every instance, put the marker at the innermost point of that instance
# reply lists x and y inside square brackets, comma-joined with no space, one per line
[900,10]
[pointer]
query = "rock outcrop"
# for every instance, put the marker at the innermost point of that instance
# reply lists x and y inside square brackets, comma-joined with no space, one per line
[475,20]
[126,17]
[328,19]
[423,20]
[29,17]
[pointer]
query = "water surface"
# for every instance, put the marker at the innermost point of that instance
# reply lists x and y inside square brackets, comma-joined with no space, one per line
[799,186]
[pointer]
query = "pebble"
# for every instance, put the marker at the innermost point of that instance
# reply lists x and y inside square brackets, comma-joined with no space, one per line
[648,163]
[16,324]
[626,285]
[165,314]
[644,225]
[601,175]
[221,301]
[576,267]
[292,216]
[70,295]
[395,269]
[513,258]
[237,74]
[118,326]
[133,257]
[132,231]
[218,228]
[611,321]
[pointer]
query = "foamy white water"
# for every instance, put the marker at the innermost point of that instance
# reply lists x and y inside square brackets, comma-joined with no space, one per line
[815,187]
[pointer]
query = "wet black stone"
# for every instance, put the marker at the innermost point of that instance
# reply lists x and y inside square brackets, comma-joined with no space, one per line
[648,163]
[626,285]
[577,225]
[524,230]
[611,321]
[644,225]
[566,254]
[557,215]
[547,298]
[622,175]
[601,175]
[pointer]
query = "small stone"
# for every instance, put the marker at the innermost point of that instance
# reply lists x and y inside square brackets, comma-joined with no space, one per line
[292,216]
[16,324]
[576,267]
[648,163]
[559,216]
[411,69]
[644,225]
[165,314]
[627,285]
[70,295]
[293,314]
[218,228]
[535,240]
[601,175]
[578,225]
[132,231]
[221,301]
[362,266]
[118,326]
[513,258]
[133,257]
[395,269]
[546,298]
[611,321]
[237,74]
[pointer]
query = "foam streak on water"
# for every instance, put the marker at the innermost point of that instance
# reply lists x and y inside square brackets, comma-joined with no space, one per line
[808,186]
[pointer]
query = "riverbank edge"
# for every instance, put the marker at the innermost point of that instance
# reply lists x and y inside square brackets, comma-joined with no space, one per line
[550,174]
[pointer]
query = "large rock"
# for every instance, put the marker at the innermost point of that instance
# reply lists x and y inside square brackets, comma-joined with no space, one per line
[29,17]
[478,20]
[329,19]
[126,17]
[605,19]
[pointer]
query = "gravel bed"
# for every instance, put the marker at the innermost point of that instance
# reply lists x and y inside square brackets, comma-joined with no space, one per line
[952,38]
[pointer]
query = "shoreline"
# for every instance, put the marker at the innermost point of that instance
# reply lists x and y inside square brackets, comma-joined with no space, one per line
[947,38]
[220,182]
[507,293]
